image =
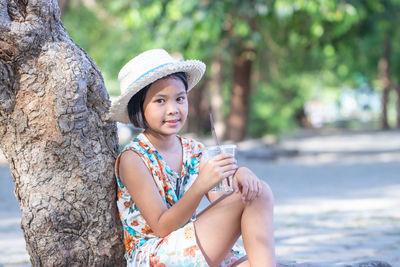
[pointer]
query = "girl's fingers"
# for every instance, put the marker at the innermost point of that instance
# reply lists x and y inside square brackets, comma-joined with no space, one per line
[245,191]
[255,184]
[259,188]
[226,162]
[229,168]
[256,188]
[252,189]
[235,185]
[223,156]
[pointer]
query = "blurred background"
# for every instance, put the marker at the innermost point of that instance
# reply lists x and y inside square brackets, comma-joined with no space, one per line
[308,89]
[273,66]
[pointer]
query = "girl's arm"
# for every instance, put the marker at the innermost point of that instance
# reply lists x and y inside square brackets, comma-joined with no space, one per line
[140,184]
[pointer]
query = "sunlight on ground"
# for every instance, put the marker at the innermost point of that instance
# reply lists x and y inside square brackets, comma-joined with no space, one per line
[337,201]
[325,158]
[12,242]
[340,229]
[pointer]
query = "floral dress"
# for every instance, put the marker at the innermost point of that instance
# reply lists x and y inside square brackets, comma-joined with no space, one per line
[179,248]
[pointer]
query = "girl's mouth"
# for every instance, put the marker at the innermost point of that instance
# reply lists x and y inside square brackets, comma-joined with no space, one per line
[172,122]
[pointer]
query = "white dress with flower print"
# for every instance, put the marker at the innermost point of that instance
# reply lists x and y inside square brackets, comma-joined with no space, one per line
[179,248]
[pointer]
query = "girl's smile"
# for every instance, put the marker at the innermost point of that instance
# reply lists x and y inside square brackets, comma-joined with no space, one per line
[172,123]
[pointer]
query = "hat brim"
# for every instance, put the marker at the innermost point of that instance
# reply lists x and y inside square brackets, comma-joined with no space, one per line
[194,70]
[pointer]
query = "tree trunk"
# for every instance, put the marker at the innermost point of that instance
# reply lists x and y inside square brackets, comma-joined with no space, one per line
[241,89]
[57,136]
[198,109]
[384,73]
[215,92]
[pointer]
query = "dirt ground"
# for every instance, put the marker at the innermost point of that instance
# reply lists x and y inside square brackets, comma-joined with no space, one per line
[336,201]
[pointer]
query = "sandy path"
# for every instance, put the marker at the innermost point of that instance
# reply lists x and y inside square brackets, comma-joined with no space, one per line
[337,201]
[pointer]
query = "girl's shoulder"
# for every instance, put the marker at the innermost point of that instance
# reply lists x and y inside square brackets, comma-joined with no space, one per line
[139,144]
[138,148]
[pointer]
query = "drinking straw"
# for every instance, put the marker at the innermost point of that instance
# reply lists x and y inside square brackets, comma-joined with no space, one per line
[216,139]
[213,129]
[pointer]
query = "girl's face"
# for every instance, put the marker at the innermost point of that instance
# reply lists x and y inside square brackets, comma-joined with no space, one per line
[165,106]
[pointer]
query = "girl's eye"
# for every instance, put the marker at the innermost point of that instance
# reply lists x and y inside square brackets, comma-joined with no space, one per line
[160,101]
[180,99]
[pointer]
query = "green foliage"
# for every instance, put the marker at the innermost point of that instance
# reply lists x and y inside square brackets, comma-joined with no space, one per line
[106,43]
[298,45]
[275,105]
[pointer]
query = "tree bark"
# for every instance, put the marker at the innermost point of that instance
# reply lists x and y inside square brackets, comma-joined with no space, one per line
[384,73]
[241,89]
[57,136]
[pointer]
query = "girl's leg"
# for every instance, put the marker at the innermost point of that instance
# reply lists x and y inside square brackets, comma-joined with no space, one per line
[220,225]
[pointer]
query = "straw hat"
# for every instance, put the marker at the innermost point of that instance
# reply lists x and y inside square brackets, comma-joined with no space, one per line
[146,68]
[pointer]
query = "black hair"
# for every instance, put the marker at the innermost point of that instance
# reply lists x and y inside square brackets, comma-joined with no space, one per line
[135,104]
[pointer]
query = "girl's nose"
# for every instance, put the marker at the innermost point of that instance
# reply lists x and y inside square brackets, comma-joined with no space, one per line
[172,108]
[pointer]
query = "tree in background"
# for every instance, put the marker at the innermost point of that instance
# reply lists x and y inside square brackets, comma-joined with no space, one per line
[377,47]
[58,139]
[265,58]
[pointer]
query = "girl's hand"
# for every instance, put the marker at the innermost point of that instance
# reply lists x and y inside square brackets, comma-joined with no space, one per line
[248,183]
[215,170]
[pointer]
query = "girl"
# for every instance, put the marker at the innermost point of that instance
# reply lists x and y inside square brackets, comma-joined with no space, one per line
[161,178]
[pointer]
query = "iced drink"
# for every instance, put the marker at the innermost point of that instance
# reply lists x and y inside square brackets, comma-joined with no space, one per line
[211,151]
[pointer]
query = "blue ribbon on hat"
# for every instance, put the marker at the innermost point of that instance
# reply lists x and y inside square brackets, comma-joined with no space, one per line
[147,72]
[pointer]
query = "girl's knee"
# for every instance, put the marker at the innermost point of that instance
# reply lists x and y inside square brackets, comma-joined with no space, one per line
[266,194]
[243,171]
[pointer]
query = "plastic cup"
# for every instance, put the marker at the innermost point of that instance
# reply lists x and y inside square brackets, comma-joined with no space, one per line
[211,151]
